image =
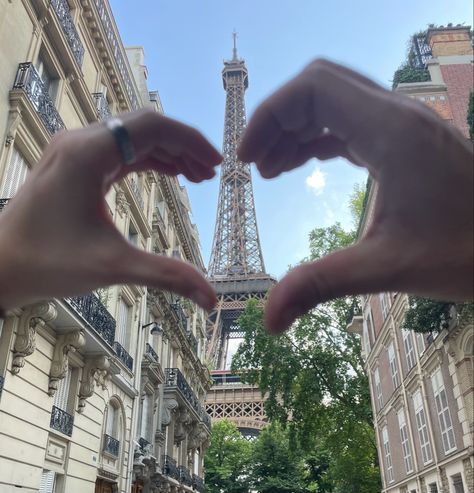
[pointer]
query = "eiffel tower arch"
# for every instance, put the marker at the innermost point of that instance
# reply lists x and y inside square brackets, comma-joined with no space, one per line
[236,269]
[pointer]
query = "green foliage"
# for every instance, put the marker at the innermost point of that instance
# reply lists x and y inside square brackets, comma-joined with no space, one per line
[277,467]
[227,460]
[407,73]
[316,385]
[470,116]
[357,202]
[425,315]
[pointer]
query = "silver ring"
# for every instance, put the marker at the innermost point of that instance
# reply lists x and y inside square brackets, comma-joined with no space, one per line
[122,138]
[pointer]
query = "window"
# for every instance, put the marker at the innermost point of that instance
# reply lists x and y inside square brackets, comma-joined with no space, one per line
[405,442]
[442,98]
[433,488]
[393,366]
[444,415]
[123,323]
[409,350]
[366,334]
[48,480]
[457,483]
[50,83]
[422,427]
[420,342]
[378,389]
[388,455]
[62,394]
[132,235]
[383,297]
[15,175]
[111,428]
[145,416]
[432,98]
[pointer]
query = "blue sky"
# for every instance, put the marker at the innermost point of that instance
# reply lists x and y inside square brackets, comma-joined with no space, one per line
[185,43]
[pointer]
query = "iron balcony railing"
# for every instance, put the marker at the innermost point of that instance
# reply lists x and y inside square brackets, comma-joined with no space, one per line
[115,46]
[28,79]
[61,421]
[3,203]
[123,355]
[102,105]
[143,444]
[170,467]
[151,352]
[137,193]
[95,313]
[185,476]
[111,446]
[174,378]
[61,7]
[198,484]
[193,341]
[179,311]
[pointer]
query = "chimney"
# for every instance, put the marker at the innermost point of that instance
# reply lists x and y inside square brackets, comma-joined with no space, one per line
[450,40]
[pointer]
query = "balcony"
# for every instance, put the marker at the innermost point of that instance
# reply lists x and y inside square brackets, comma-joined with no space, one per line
[94,312]
[123,356]
[185,476]
[144,445]
[198,484]
[193,342]
[101,105]
[170,468]
[111,446]
[174,378]
[116,48]
[137,194]
[180,314]
[28,80]
[3,203]
[151,352]
[61,421]
[63,12]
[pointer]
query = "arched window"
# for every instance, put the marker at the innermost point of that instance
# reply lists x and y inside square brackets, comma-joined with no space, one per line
[113,429]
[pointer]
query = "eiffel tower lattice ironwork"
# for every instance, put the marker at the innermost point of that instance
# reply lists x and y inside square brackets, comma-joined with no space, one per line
[236,268]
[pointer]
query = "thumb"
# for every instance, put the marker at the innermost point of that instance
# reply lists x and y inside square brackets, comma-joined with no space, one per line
[148,269]
[363,268]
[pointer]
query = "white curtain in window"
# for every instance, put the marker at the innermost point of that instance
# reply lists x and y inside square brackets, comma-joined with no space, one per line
[123,322]
[62,394]
[111,417]
[15,175]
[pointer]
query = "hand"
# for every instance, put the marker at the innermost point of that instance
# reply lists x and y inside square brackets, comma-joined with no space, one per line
[57,238]
[420,238]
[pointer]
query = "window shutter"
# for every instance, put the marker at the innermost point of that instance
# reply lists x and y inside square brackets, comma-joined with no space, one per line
[15,175]
[47,482]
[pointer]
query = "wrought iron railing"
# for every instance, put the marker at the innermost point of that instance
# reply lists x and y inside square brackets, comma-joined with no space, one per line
[61,7]
[198,484]
[102,105]
[95,313]
[174,378]
[28,79]
[61,421]
[144,444]
[170,467]
[179,311]
[123,355]
[3,203]
[193,341]
[137,193]
[185,476]
[115,46]
[150,351]
[111,445]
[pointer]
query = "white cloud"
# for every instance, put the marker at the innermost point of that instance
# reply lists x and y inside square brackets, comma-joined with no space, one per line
[316,181]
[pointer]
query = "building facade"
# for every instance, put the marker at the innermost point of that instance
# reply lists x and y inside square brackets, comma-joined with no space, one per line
[422,384]
[104,392]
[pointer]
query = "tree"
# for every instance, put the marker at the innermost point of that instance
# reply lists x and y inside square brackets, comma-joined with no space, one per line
[316,384]
[276,467]
[227,460]
[470,116]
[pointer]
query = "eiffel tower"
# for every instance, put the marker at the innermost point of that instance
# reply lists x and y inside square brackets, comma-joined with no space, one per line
[236,269]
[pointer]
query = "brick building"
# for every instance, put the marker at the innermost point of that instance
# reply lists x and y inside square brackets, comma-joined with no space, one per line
[422,384]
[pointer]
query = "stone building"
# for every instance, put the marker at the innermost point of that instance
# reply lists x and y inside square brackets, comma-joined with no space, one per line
[422,384]
[98,393]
